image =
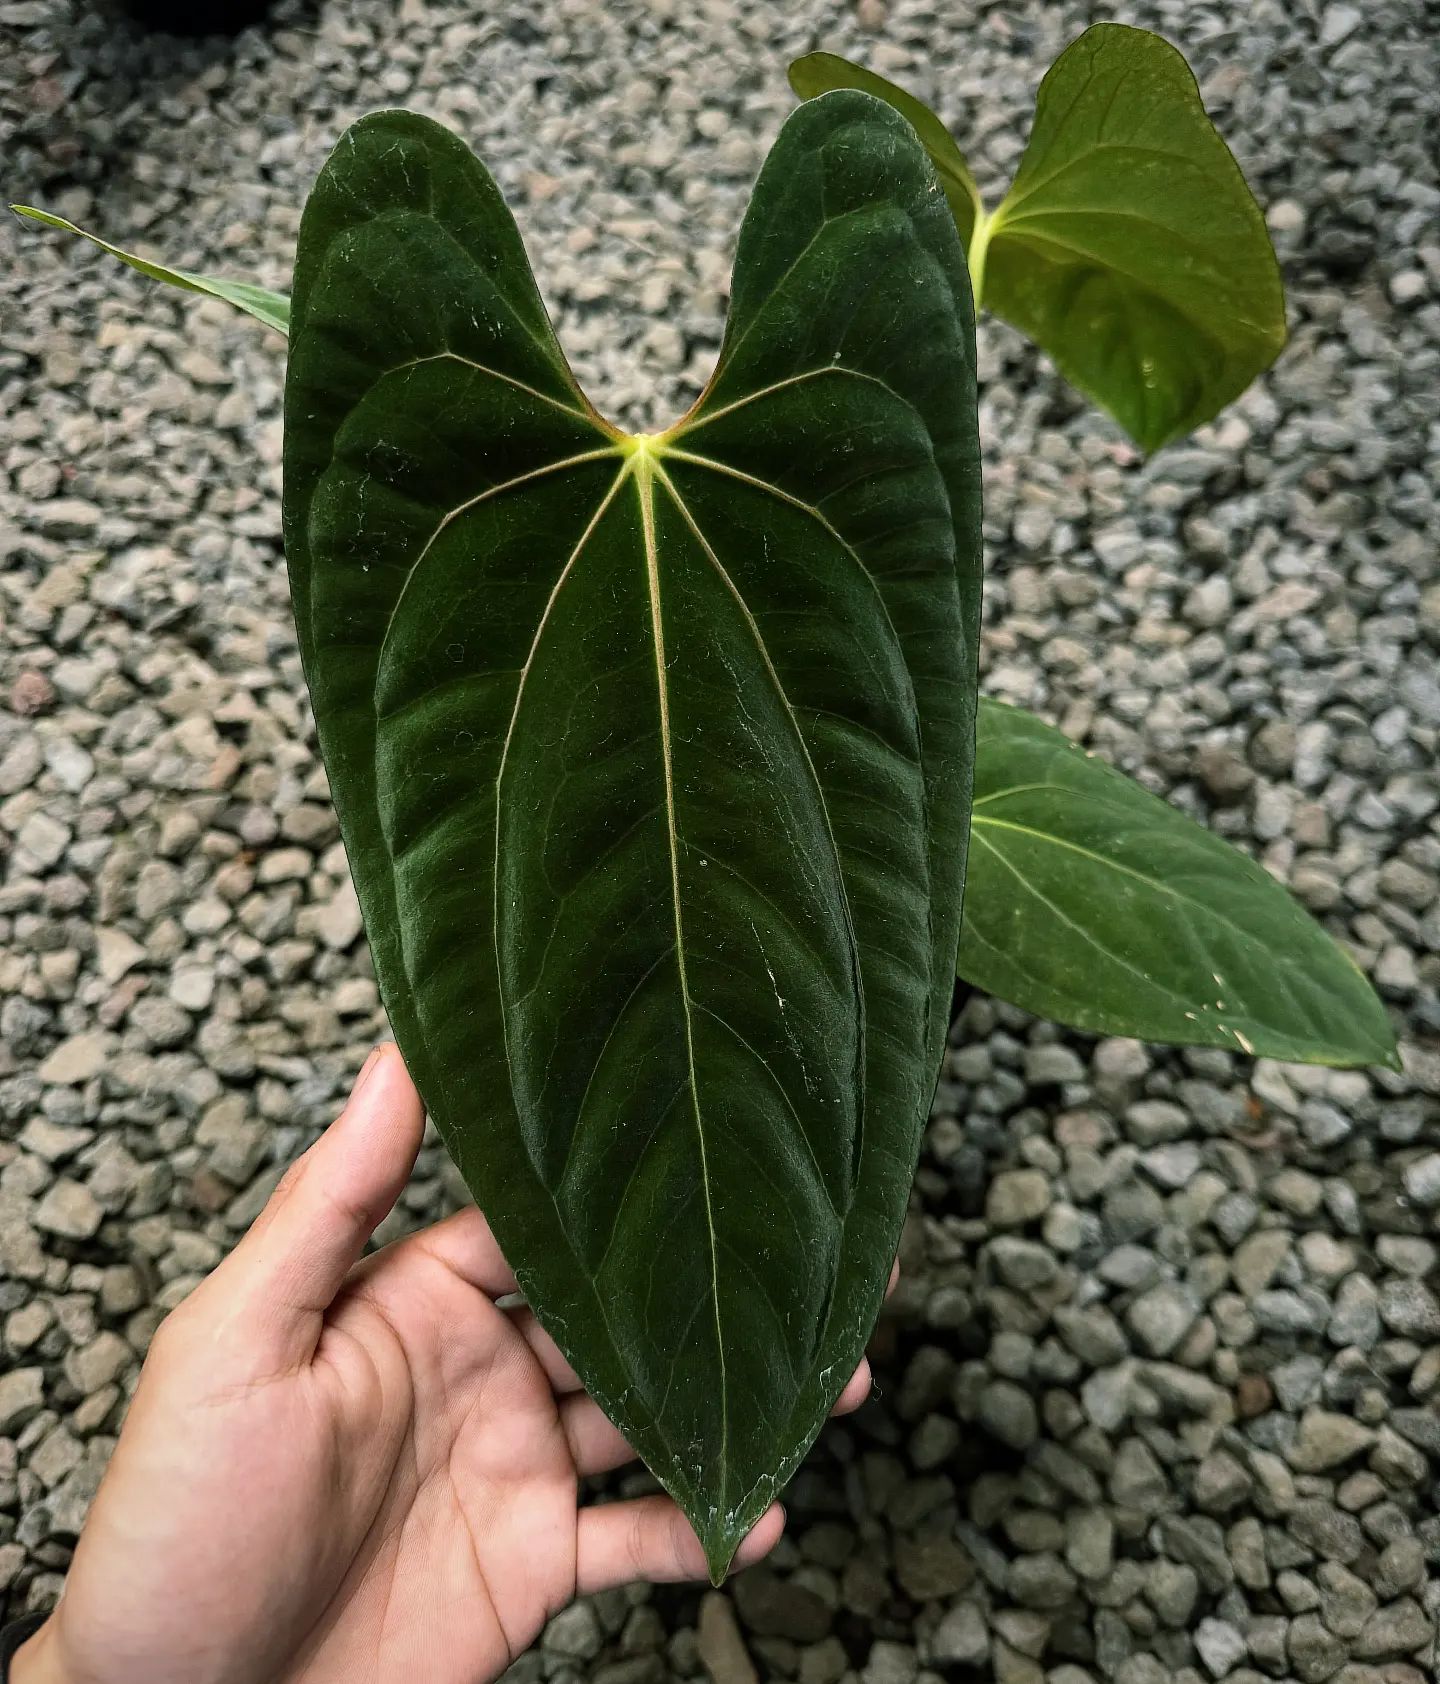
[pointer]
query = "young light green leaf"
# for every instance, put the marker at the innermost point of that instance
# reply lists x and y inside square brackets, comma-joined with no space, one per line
[272,308]
[652,756]
[1129,247]
[1095,903]
[819,73]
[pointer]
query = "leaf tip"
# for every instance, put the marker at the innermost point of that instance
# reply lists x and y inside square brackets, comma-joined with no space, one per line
[720,1543]
[722,1532]
[34,214]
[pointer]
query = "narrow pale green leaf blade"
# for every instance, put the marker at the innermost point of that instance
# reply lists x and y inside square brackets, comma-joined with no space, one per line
[653,757]
[1130,247]
[821,73]
[1095,903]
[272,308]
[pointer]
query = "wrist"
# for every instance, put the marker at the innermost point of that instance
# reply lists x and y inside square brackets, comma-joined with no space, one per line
[35,1661]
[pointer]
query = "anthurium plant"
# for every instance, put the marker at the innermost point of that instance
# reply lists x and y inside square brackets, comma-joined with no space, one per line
[658,757]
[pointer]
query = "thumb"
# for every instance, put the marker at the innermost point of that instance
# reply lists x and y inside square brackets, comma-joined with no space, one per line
[284,1274]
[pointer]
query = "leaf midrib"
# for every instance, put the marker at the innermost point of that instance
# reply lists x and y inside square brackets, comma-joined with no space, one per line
[1058,841]
[1305,1046]
[1083,931]
[1029,225]
[1027,190]
[1142,284]
[1165,889]
[591,525]
[643,469]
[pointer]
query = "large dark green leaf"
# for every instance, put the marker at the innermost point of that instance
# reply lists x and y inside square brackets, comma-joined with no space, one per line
[1129,246]
[820,73]
[272,308]
[1093,902]
[653,756]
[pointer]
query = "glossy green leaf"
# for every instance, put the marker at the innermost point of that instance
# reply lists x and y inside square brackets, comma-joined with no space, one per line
[1095,903]
[1129,246]
[819,73]
[272,308]
[653,755]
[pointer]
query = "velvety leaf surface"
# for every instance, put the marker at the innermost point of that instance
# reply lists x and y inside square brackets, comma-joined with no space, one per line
[1095,903]
[272,308]
[819,73]
[652,756]
[1129,246]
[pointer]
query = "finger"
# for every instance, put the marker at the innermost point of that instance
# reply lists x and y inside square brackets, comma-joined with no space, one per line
[894,1280]
[285,1272]
[648,1538]
[856,1391]
[466,1246]
[562,1377]
[596,1444]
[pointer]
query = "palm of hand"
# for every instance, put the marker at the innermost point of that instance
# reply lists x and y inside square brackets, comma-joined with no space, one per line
[402,1505]
[473,1497]
[353,1471]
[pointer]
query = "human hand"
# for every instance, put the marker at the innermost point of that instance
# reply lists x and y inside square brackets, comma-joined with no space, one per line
[353,1470]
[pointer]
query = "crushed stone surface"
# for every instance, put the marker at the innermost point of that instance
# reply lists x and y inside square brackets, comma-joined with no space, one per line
[1159,1396]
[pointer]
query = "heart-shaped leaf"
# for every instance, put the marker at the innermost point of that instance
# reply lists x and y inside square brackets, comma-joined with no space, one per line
[652,756]
[272,308]
[1095,903]
[1129,245]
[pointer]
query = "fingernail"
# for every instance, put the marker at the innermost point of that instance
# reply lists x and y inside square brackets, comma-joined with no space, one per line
[367,1070]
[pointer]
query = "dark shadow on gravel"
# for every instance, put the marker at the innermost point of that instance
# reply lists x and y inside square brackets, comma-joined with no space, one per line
[133,56]
[192,19]
[125,46]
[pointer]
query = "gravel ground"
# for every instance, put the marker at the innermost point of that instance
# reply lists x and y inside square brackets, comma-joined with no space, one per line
[1160,1398]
